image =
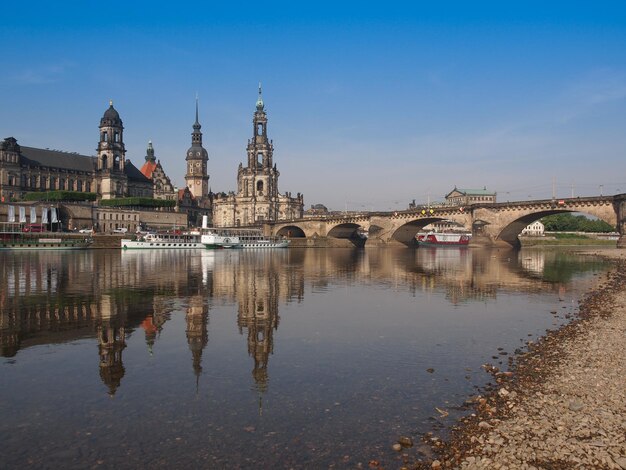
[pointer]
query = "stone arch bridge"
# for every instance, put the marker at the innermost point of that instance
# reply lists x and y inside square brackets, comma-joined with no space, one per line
[492,224]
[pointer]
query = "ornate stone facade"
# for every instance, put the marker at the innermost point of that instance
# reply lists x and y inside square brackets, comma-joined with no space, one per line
[257,199]
[162,187]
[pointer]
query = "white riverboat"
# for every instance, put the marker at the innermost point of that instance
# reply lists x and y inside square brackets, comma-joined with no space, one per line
[255,239]
[247,238]
[214,239]
[168,241]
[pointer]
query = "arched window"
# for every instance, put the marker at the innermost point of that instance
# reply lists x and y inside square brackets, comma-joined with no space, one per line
[105,137]
[79,185]
[88,186]
[259,187]
[116,137]
[53,183]
[105,162]
[70,185]
[259,159]
[116,162]
[62,184]
[259,129]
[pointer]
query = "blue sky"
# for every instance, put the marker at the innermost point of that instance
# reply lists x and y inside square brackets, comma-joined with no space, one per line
[370,105]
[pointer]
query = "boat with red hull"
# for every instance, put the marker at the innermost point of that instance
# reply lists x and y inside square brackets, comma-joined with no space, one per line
[443,239]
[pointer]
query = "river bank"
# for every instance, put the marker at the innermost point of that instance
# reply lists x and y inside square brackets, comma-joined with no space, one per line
[562,403]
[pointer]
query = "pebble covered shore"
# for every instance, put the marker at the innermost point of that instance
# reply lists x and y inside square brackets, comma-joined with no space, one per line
[562,404]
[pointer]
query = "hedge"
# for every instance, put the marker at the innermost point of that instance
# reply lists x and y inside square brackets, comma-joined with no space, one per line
[60,196]
[137,201]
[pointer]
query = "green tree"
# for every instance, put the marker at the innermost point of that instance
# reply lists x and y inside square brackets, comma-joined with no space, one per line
[567,222]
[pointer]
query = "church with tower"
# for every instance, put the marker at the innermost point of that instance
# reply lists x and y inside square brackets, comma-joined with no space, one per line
[257,199]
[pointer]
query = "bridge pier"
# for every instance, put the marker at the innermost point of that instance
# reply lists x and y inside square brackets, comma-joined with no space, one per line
[485,241]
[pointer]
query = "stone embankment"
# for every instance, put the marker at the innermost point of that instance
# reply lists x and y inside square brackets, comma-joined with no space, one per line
[562,405]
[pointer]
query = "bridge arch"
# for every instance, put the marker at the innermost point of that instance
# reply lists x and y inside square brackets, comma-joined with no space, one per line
[345,230]
[511,230]
[291,231]
[406,232]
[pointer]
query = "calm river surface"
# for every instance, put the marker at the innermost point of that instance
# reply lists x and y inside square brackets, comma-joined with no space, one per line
[303,358]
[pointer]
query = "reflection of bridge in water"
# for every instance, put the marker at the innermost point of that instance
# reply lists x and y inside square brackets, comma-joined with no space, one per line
[491,224]
[111,296]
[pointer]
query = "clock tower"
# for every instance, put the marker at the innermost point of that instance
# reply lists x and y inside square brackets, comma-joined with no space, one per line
[197,178]
[112,181]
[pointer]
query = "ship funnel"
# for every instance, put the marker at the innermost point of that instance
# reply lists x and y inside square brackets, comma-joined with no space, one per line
[205,221]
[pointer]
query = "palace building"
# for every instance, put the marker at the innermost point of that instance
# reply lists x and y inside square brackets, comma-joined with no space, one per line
[162,187]
[108,174]
[470,196]
[257,199]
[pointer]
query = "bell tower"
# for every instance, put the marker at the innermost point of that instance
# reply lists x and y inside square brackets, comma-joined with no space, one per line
[197,178]
[111,159]
[259,180]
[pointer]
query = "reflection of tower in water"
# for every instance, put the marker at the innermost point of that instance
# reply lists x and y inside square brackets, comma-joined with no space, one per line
[197,319]
[111,343]
[258,313]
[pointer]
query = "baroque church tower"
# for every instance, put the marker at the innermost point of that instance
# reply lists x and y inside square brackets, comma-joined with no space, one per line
[257,199]
[197,158]
[111,159]
[260,178]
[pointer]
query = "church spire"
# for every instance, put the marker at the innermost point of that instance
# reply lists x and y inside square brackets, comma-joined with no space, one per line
[197,122]
[150,152]
[259,101]
[196,135]
[196,125]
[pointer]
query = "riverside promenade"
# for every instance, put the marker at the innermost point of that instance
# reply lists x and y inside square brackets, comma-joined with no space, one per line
[562,404]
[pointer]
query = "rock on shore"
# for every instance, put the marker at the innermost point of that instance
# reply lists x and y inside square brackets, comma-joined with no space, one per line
[564,406]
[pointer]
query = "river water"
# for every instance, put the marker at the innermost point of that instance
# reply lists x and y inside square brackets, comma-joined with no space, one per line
[297,358]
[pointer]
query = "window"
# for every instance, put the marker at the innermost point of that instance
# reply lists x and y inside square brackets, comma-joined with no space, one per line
[79,185]
[53,183]
[88,186]
[259,129]
[116,137]
[11,180]
[105,162]
[260,159]
[62,184]
[70,185]
[259,187]
[105,137]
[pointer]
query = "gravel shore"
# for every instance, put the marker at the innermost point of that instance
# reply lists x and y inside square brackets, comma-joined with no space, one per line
[562,405]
